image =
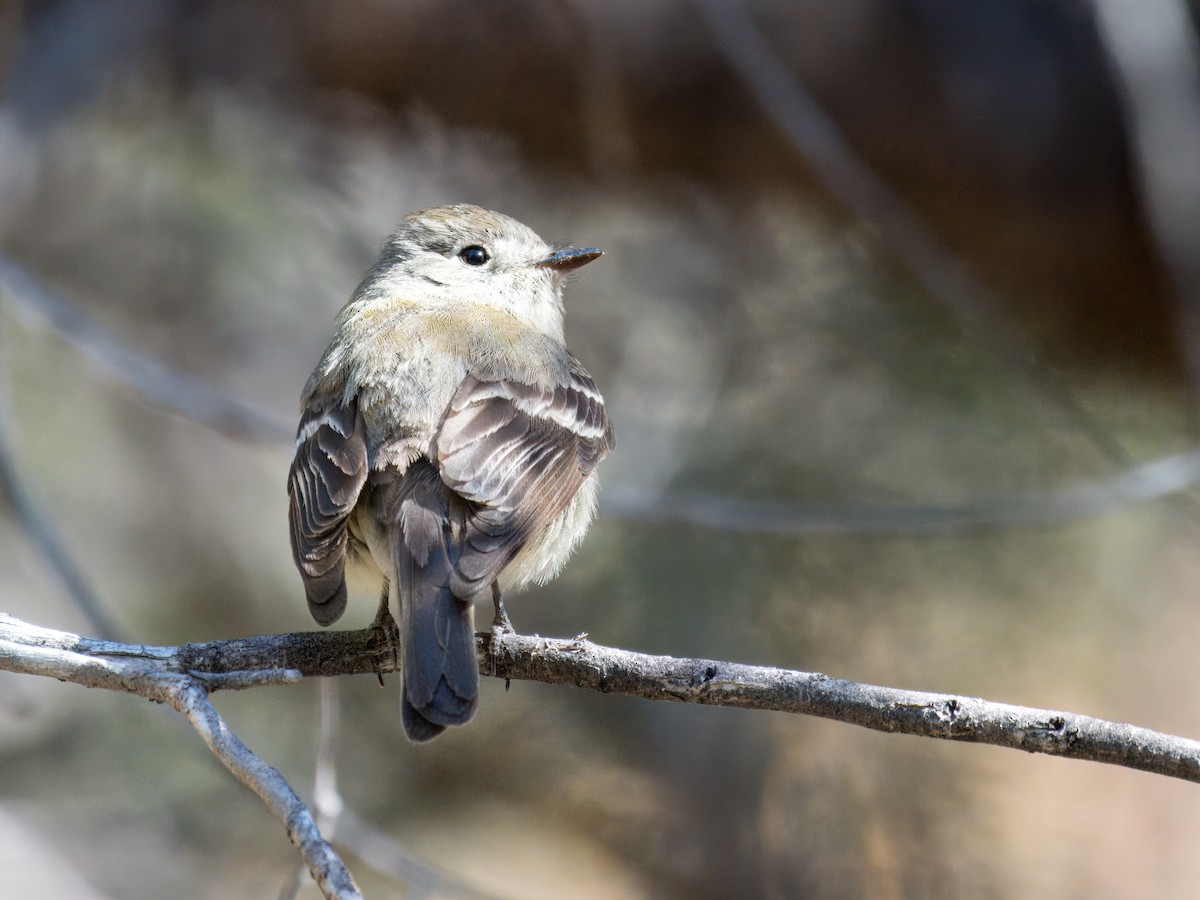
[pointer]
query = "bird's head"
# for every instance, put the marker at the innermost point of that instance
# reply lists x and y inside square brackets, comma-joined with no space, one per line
[464,253]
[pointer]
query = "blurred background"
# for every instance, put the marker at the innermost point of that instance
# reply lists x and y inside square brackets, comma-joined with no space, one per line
[893,324]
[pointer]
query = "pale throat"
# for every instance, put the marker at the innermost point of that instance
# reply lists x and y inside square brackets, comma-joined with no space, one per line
[545,315]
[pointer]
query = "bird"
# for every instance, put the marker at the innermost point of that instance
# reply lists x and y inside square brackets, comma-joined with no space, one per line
[448,445]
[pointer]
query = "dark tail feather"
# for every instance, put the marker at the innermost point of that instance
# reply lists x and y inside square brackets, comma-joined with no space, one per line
[418,728]
[441,675]
[326,597]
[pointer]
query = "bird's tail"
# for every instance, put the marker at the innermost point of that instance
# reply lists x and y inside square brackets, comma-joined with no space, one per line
[441,676]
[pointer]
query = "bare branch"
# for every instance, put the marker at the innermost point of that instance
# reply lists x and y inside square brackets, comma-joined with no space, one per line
[142,670]
[374,847]
[325,866]
[25,648]
[327,798]
[39,528]
[857,187]
[1155,52]
[162,385]
[949,717]
[195,399]
[1152,480]
[384,855]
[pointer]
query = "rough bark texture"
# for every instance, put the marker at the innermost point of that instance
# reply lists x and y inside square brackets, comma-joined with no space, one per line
[255,661]
[945,716]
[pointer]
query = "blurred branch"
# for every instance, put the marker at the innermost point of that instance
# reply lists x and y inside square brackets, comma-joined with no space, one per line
[1154,50]
[166,387]
[197,400]
[856,186]
[156,672]
[1153,480]
[40,530]
[142,670]
[374,847]
[327,798]
[377,850]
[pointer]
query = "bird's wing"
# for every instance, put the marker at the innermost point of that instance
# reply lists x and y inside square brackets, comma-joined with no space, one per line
[327,474]
[518,453]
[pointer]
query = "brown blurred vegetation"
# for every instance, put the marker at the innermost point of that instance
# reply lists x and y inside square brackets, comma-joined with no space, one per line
[210,178]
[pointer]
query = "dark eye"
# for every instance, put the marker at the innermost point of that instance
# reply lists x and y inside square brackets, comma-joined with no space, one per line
[474,255]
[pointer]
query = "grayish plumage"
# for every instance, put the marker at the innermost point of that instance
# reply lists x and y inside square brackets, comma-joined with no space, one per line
[448,443]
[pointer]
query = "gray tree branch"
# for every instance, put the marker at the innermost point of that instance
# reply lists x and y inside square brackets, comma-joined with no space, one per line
[248,662]
[846,175]
[154,673]
[165,386]
[196,399]
[893,710]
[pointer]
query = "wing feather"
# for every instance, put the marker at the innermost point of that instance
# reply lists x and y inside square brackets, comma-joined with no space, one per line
[518,453]
[327,475]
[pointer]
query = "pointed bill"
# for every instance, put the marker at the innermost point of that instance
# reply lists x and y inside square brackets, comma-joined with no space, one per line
[570,258]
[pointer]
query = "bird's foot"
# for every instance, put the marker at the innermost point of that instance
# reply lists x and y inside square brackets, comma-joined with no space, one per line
[501,623]
[501,627]
[391,634]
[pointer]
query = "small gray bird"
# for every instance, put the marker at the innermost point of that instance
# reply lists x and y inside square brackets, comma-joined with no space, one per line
[448,444]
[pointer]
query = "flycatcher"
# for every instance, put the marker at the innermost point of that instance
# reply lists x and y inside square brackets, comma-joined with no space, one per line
[447,445]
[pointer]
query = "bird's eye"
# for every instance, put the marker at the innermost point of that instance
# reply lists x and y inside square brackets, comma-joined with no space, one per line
[474,255]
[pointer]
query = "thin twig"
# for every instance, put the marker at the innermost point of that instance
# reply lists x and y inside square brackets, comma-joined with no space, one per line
[327,869]
[142,670]
[1153,480]
[579,662]
[384,855]
[857,187]
[48,543]
[1155,52]
[199,401]
[374,847]
[40,530]
[168,388]
[327,799]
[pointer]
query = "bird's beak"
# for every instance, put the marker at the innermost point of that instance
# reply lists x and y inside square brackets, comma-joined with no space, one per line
[570,258]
